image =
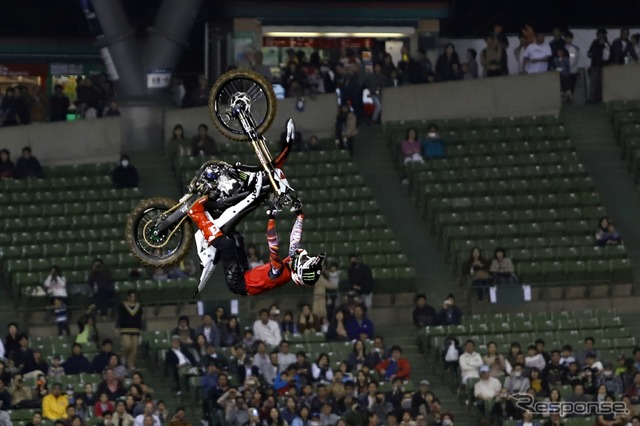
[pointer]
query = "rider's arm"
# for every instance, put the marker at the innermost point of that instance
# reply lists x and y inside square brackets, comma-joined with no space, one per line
[296,234]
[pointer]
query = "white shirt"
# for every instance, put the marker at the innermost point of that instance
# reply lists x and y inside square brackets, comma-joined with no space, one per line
[536,361]
[470,364]
[487,389]
[56,287]
[574,57]
[140,420]
[1,349]
[537,51]
[269,333]
[182,360]
[285,361]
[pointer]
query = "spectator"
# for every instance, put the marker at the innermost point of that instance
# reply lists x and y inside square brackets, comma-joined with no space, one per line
[269,369]
[231,333]
[308,322]
[635,43]
[599,52]
[494,360]
[314,144]
[555,371]
[186,333]
[220,317]
[87,330]
[573,51]
[534,359]
[21,395]
[538,383]
[359,326]
[587,349]
[77,363]
[179,418]
[59,104]
[607,233]
[125,175]
[36,419]
[346,128]
[177,91]
[432,145]
[104,289]
[361,279]
[6,165]
[129,324]
[450,314]
[200,96]
[622,50]
[446,64]
[142,419]
[137,379]
[61,315]
[566,356]
[486,389]
[423,314]
[11,342]
[118,369]
[321,370]
[120,416]
[411,148]
[56,370]
[471,66]
[9,108]
[253,257]
[5,396]
[23,359]
[101,360]
[633,391]
[54,405]
[470,362]
[179,362]
[28,166]
[527,420]
[178,146]
[557,42]
[516,382]
[202,143]
[357,357]
[502,268]
[491,54]
[40,362]
[112,110]
[607,378]
[102,405]
[560,62]
[266,329]
[55,284]
[337,331]
[208,328]
[504,408]
[537,55]
[375,82]
[476,268]
[394,366]
[493,69]
[285,357]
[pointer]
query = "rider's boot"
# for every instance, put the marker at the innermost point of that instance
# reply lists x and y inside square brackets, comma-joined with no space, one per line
[203,220]
[207,255]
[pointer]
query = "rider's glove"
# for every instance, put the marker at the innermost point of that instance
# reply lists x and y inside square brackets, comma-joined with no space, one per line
[272,210]
[296,206]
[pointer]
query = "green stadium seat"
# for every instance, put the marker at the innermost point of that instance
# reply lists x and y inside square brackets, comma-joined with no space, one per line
[621,271]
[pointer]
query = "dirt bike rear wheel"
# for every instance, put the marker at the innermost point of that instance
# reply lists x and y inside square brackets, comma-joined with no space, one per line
[157,250]
[237,84]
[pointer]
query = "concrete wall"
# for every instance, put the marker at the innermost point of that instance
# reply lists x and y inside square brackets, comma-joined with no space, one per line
[621,82]
[84,141]
[317,118]
[491,97]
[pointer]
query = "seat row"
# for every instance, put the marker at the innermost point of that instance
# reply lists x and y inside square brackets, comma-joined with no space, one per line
[499,217]
[455,149]
[329,227]
[544,254]
[78,262]
[479,123]
[520,230]
[60,222]
[56,183]
[507,160]
[613,270]
[418,175]
[62,236]
[491,135]
[336,247]
[66,209]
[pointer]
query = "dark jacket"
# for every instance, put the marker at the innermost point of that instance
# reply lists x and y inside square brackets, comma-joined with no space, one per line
[451,316]
[59,107]
[76,364]
[119,392]
[129,319]
[171,359]
[28,167]
[100,361]
[6,169]
[101,281]
[618,52]
[444,67]
[424,316]
[23,360]
[125,177]
[595,53]
[355,328]
[361,275]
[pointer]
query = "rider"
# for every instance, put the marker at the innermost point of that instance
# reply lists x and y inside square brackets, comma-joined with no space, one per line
[298,266]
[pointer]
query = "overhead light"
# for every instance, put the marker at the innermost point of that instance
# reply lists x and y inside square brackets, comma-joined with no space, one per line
[333,34]
[292,34]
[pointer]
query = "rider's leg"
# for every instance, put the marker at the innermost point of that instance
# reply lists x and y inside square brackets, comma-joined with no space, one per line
[203,220]
[233,266]
[296,233]
[275,261]
[207,255]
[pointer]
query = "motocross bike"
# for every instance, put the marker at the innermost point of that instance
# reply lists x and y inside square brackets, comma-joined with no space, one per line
[242,106]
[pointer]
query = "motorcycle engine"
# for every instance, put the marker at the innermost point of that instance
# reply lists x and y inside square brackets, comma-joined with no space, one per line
[223,179]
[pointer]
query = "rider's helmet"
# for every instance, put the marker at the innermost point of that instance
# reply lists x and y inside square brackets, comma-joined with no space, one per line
[305,269]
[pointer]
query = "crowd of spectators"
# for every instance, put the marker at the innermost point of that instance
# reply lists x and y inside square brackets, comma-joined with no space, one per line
[95,98]
[27,166]
[561,374]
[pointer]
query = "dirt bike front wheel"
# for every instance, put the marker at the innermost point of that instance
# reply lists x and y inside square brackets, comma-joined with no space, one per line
[151,247]
[243,89]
